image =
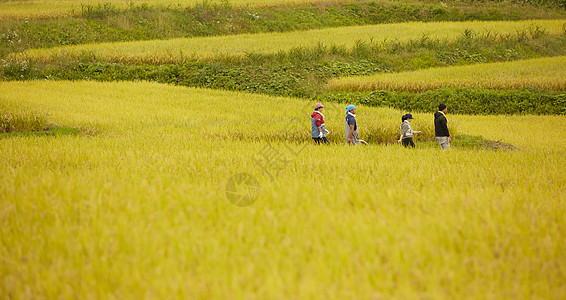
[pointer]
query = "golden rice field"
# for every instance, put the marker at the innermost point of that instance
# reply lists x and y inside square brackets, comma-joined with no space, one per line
[137,208]
[200,48]
[37,9]
[548,73]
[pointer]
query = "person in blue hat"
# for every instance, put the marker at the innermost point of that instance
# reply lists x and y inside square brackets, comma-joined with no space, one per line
[407,132]
[352,135]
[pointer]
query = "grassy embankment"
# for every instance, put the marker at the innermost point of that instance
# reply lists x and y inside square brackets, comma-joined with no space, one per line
[300,63]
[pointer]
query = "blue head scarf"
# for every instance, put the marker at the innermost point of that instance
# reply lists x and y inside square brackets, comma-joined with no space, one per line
[349,108]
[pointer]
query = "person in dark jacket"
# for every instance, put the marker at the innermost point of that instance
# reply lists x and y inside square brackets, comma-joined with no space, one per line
[441,128]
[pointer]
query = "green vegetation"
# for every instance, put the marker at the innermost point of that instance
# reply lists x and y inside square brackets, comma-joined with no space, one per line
[478,142]
[109,23]
[461,100]
[464,141]
[295,64]
[49,130]
[304,71]
[14,9]
[237,46]
[555,3]
[20,9]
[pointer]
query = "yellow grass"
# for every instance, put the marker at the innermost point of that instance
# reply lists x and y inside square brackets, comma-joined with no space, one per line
[177,50]
[30,9]
[547,73]
[139,209]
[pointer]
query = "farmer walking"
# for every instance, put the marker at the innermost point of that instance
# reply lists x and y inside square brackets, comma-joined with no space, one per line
[441,127]
[318,131]
[352,136]
[407,132]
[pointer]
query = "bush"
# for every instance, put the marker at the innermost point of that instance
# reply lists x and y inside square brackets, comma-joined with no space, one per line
[461,101]
[555,3]
[16,69]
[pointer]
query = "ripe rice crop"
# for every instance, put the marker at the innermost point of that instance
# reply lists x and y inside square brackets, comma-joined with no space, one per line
[139,209]
[20,119]
[185,49]
[382,125]
[20,9]
[547,73]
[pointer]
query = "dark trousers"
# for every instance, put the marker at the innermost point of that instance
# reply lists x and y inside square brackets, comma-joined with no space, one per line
[321,140]
[408,142]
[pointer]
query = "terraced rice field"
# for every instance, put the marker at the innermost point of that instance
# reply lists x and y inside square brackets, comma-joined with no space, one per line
[61,8]
[548,73]
[201,48]
[142,190]
[138,207]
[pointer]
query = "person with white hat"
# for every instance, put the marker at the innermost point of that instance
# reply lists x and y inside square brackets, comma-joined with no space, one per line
[318,130]
[407,132]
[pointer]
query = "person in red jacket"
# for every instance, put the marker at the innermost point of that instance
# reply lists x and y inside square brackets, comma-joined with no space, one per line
[318,132]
